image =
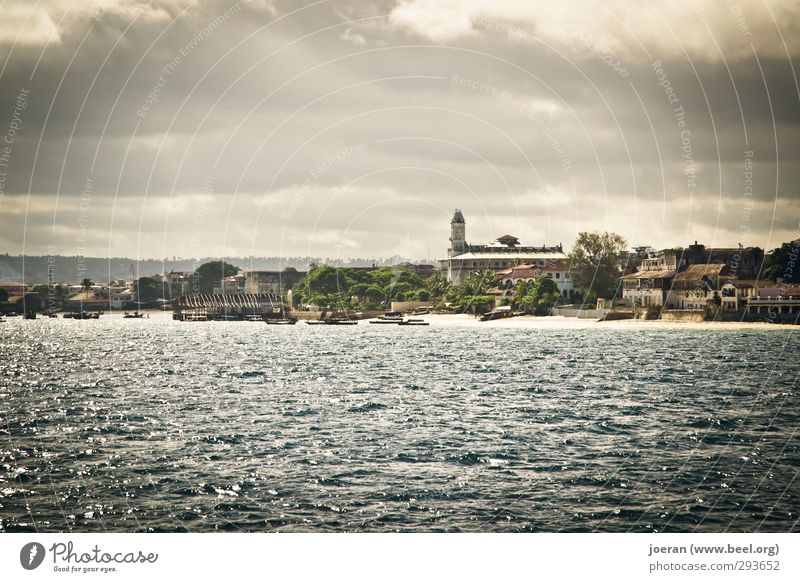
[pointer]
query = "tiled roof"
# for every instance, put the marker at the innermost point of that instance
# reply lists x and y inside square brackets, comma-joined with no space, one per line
[697,272]
[526,271]
[523,256]
[650,275]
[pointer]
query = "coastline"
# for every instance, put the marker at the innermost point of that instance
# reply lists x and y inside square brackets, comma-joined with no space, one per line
[554,322]
[560,322]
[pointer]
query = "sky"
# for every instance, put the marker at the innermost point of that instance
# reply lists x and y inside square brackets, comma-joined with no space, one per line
[354,129]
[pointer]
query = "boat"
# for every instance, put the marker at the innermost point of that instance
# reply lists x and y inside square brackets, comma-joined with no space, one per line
[388,317]
[498,313]
[341,321]
[315,321]
[135,315]
[82,315]
[280,321]
[414,322]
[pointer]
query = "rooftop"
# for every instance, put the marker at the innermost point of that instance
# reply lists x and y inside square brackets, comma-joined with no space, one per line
[526,271]
[697,272]
[521,254]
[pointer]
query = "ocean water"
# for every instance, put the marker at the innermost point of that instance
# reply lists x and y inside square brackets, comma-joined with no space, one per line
[155,425]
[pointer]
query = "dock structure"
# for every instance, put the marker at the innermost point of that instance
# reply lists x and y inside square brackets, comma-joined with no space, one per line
[227,307]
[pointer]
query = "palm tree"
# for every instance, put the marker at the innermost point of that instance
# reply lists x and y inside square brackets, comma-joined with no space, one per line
[87,286]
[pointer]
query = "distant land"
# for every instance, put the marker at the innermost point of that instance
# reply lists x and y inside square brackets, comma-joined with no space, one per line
[66,268]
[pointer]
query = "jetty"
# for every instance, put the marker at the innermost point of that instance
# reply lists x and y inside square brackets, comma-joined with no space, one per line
[228,307]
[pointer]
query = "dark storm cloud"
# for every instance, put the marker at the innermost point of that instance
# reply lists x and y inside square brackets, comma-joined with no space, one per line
[307,128]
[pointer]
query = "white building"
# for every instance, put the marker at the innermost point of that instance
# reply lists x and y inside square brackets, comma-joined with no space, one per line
[504,253]
[557,270]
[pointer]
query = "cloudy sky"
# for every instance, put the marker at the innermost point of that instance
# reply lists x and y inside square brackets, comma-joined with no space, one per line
[349,128]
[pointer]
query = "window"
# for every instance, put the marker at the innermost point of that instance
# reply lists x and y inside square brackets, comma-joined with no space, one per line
[558,275]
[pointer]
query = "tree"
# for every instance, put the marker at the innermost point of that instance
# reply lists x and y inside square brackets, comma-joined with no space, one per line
[87,284]
[210,275]
[326,281]
[594,262]
[479,282]
[437,287]
[779,263]
[478,303]
[291,277]
[537,296]
[147,289]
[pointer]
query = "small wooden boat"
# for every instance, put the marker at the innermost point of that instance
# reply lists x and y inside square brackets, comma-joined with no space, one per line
[135,315]
[280,321]
[341,321]
[413,322]
[501,312]
[82,315]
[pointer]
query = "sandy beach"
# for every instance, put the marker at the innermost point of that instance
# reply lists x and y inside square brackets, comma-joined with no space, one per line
[558,322]
[534,322]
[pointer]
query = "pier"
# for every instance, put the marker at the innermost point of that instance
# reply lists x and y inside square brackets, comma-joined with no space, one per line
[228,307]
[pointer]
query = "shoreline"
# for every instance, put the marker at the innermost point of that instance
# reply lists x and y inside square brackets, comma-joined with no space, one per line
[528,322]
[561,322]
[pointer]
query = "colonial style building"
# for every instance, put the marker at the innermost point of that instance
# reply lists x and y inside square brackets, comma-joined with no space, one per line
[504,253]
[719,282]
[557,270]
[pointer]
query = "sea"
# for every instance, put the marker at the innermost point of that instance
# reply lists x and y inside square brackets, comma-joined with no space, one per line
[152,425]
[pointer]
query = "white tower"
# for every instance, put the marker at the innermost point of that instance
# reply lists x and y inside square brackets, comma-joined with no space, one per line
[458,236]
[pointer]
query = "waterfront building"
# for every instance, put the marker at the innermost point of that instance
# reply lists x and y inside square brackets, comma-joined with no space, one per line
[501,254]
[260,282]
[14,288]
[558,270]
[235,306]
[647,288]
[737,293]
[779,302]
[174,283]
[693,278]
[698,287]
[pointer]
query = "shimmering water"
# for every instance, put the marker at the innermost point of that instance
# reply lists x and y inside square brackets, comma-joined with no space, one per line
[154,425]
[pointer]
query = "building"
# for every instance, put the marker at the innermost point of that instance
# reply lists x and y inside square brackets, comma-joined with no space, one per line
[694,278]
[505,252]
[779,302]
[741,262]
[232,285]
[14,288]
[698,287]
[557,270]
[647,288]
[260,282]
[175,283]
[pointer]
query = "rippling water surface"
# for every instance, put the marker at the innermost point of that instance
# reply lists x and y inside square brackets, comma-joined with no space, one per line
[155,425]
